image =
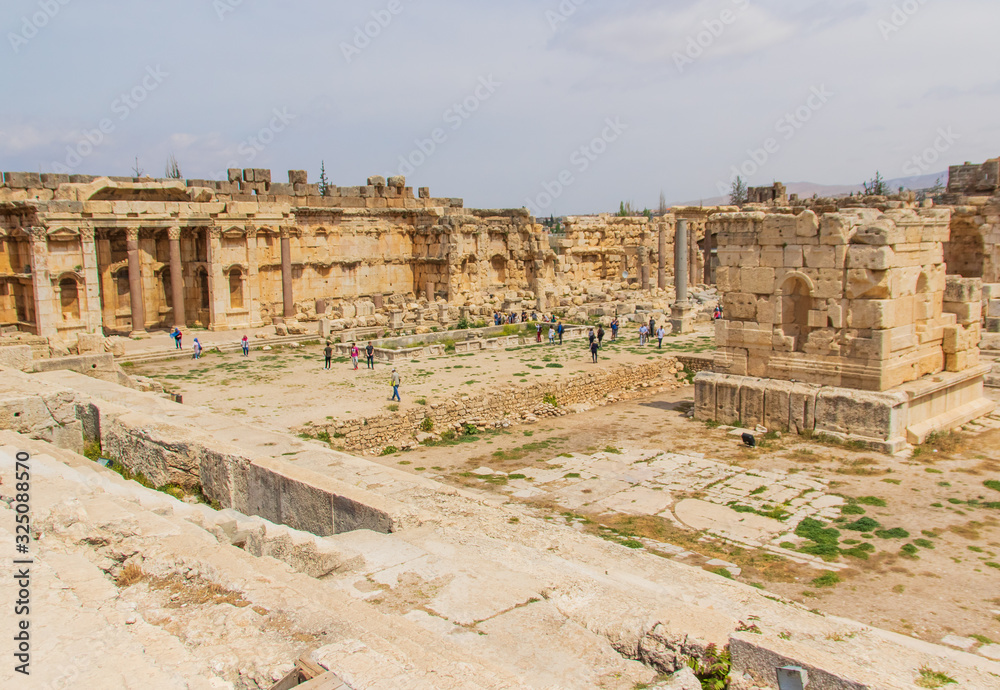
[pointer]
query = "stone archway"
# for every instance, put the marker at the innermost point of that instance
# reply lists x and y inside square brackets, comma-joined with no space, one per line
[69,299]
[236,288]
[796,303]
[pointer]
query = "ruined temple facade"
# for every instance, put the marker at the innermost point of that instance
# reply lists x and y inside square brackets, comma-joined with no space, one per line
[126,255]
[82,254]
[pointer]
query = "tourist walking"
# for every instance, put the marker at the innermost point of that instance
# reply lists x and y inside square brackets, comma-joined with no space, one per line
[396,380]
[652,326]
[552,336]
[614,329]
[538,333]
[659,336]
[600,336]
[643,334]
[370,355]
[246,345]
[718,312]
[591,336]
[355,353]
[177,339]
[594,347]
[560,329]
[197,349]
[327,355]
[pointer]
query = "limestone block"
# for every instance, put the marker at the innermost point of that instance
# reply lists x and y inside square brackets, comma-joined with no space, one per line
[793,256]
[993,309]
[376,181]
[959,289]
[772,257]
[802,407]
[727,279]
[704,396]
[777,397]
[965,312]
[835,229]
[871,258]
[16,357]
[863,283]
[727,403]
[722,333]
[758,280]
[859,413]
[819,257]
[235,174]
[960,361]
[740,305]
[768,310]
[752,401]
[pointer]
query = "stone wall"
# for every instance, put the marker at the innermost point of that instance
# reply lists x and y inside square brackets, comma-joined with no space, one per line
[508,405]
[855,299]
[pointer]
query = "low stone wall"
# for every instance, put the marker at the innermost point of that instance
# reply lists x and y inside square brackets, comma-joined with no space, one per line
[697,362]
[886,421]
[508,405]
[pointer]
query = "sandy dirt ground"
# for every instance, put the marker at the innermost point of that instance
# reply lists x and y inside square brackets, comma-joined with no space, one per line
[930,568]
[288,387]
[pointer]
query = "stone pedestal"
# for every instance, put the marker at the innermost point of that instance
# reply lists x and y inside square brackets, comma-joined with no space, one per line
[682,317]
[885,421]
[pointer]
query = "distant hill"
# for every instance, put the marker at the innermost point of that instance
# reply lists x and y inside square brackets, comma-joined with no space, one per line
[807,189]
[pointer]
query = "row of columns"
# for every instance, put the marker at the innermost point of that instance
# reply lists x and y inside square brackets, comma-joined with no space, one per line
[216,277]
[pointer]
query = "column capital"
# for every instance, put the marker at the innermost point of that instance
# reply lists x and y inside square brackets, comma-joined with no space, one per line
[37,233]
[132,234]
[174,233]
[213,233]
[87,234]
[286,231]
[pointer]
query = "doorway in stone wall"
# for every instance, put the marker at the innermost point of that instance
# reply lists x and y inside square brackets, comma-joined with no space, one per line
[796,303]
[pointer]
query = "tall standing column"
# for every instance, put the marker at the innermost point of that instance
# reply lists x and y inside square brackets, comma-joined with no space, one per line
[644,267]
[286,274]
[135,281]
[682,311]
[218,290]
[90,308]
[177,277]
[661,268]
[681,261]
[46,309]
[253,277]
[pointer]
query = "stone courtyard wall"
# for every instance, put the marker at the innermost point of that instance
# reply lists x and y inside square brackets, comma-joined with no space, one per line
[511,404]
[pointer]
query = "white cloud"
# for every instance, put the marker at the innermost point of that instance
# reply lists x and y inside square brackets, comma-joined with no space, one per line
[653,35]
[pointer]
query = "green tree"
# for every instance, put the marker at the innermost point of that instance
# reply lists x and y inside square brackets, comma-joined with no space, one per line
[324,183]
[876,186]
[738,192]
[173,168]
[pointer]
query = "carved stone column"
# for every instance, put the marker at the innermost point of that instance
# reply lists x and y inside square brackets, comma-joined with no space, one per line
[644,267]
[218,290]
[177,278]
[253,280]
[661,268]
[288,300]
[47,312]
[135,281]
[90,308]
[682,311]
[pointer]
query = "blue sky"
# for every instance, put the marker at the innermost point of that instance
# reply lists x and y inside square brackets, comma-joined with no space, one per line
[564,106]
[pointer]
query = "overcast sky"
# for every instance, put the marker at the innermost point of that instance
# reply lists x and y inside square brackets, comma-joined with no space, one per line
[563,106]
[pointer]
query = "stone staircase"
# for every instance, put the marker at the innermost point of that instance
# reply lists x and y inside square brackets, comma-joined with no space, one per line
[318,584]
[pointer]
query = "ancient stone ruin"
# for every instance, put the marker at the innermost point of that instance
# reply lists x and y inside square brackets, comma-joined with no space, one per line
[820,309]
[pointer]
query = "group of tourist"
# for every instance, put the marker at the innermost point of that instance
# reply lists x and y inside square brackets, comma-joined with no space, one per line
[355,354]
[649,330]
[500,318]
